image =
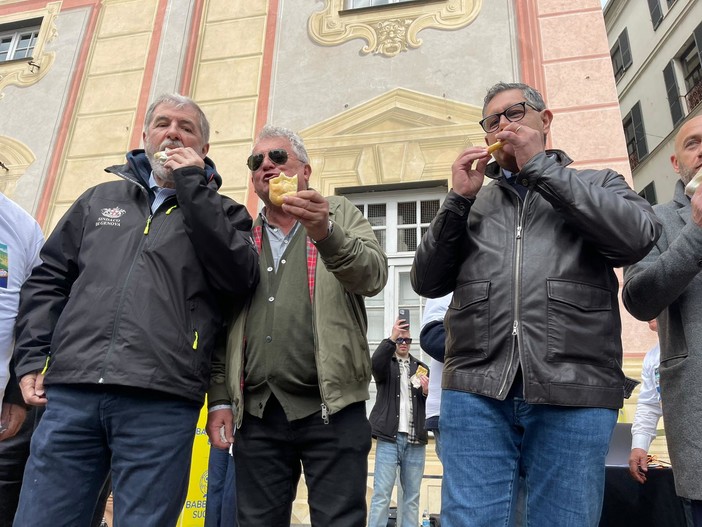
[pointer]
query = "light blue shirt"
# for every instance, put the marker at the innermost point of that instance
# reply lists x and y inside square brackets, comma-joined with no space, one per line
[162,194]
[277,240]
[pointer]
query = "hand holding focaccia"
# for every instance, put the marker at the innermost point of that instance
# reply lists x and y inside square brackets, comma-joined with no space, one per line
[280,186]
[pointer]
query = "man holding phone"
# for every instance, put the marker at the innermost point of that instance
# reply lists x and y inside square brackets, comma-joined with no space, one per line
[397,420]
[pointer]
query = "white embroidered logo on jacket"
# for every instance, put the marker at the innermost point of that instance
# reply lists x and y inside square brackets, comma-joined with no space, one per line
[110,217]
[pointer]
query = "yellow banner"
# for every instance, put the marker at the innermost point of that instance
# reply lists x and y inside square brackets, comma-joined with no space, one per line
[193,514]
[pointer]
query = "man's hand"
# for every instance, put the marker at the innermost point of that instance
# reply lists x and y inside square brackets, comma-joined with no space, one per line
[311,209]
[424,381]
[399,329]
[467,180]
[638,464]
[32,386]
[217,421]
[182,156]
[524,141]
[696,203]
[11,420]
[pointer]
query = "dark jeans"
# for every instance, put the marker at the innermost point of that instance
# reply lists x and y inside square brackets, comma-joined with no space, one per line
[13,459]
[145,437]
[220,510]
[270,453]
[696,507]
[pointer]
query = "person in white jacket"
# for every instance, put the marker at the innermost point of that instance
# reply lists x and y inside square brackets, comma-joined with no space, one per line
[648,412]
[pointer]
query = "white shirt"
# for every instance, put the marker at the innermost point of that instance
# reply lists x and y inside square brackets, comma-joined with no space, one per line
[648,407]
[434,310]
[20,242]
[405,401]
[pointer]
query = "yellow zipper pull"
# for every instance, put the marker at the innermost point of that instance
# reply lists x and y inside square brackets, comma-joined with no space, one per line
[195,341]
[169,210]
[46,364]
[148,224]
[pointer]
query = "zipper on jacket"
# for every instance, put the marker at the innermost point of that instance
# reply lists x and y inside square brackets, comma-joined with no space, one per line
[521,214]
[325,408]
[137,253]
[197,337]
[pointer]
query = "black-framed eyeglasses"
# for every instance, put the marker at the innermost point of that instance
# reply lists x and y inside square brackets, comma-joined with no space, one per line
[403,340]
[278,156]
[513,113]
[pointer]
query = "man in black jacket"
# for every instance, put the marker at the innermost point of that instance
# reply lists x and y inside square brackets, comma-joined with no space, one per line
[117,327]
[397,421]
[532,377]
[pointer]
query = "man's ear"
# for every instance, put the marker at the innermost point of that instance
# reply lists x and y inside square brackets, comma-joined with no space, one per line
[306,173]
[674,162]
[546,119]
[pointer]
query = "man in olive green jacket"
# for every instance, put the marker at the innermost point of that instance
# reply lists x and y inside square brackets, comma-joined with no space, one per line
[298,363]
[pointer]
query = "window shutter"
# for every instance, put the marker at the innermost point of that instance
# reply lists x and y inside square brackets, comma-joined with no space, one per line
[654,7]
[639,131]
[698,40]
[671,88]
[625,49]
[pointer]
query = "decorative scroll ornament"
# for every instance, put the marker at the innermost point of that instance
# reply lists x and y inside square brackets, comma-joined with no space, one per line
[24,73]
[389,30]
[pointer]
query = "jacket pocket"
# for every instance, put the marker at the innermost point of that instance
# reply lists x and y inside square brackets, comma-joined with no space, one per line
[468,320]
[580,324]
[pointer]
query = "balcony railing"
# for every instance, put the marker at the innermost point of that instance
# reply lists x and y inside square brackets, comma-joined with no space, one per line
[694,96]
[633,160]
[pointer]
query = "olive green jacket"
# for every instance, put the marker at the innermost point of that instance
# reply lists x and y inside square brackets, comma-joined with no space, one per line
[349,264]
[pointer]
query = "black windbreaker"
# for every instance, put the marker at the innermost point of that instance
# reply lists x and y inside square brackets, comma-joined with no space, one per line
[130,298]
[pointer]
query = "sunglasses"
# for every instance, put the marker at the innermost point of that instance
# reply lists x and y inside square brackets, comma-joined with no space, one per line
[278,156]
[403,340]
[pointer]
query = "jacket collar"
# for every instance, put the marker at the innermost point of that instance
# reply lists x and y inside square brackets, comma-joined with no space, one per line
[682,202]
[138,169]
[494,170]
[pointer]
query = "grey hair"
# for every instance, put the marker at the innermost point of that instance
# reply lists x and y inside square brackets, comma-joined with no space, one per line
[296,142]
[532,96]
[179,101]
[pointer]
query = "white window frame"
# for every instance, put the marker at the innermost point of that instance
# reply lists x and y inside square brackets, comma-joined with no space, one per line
[16,36]
[398,262]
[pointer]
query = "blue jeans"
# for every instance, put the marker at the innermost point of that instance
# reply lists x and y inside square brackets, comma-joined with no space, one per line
[410,459]
[145,437]
[220,509]
[486,444]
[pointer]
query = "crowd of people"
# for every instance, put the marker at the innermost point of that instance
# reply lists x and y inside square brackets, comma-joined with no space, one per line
[155,290]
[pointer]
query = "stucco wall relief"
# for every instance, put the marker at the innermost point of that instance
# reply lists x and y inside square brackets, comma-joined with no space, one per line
[15,158]
[399,136]
[24,73]
[388,30]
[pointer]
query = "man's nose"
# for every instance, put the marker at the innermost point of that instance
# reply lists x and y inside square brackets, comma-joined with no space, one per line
[173,132]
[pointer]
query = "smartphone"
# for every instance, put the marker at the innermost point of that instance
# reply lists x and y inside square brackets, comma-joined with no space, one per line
[403,314]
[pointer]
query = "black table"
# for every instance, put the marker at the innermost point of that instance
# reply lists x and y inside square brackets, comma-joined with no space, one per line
[653,504]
